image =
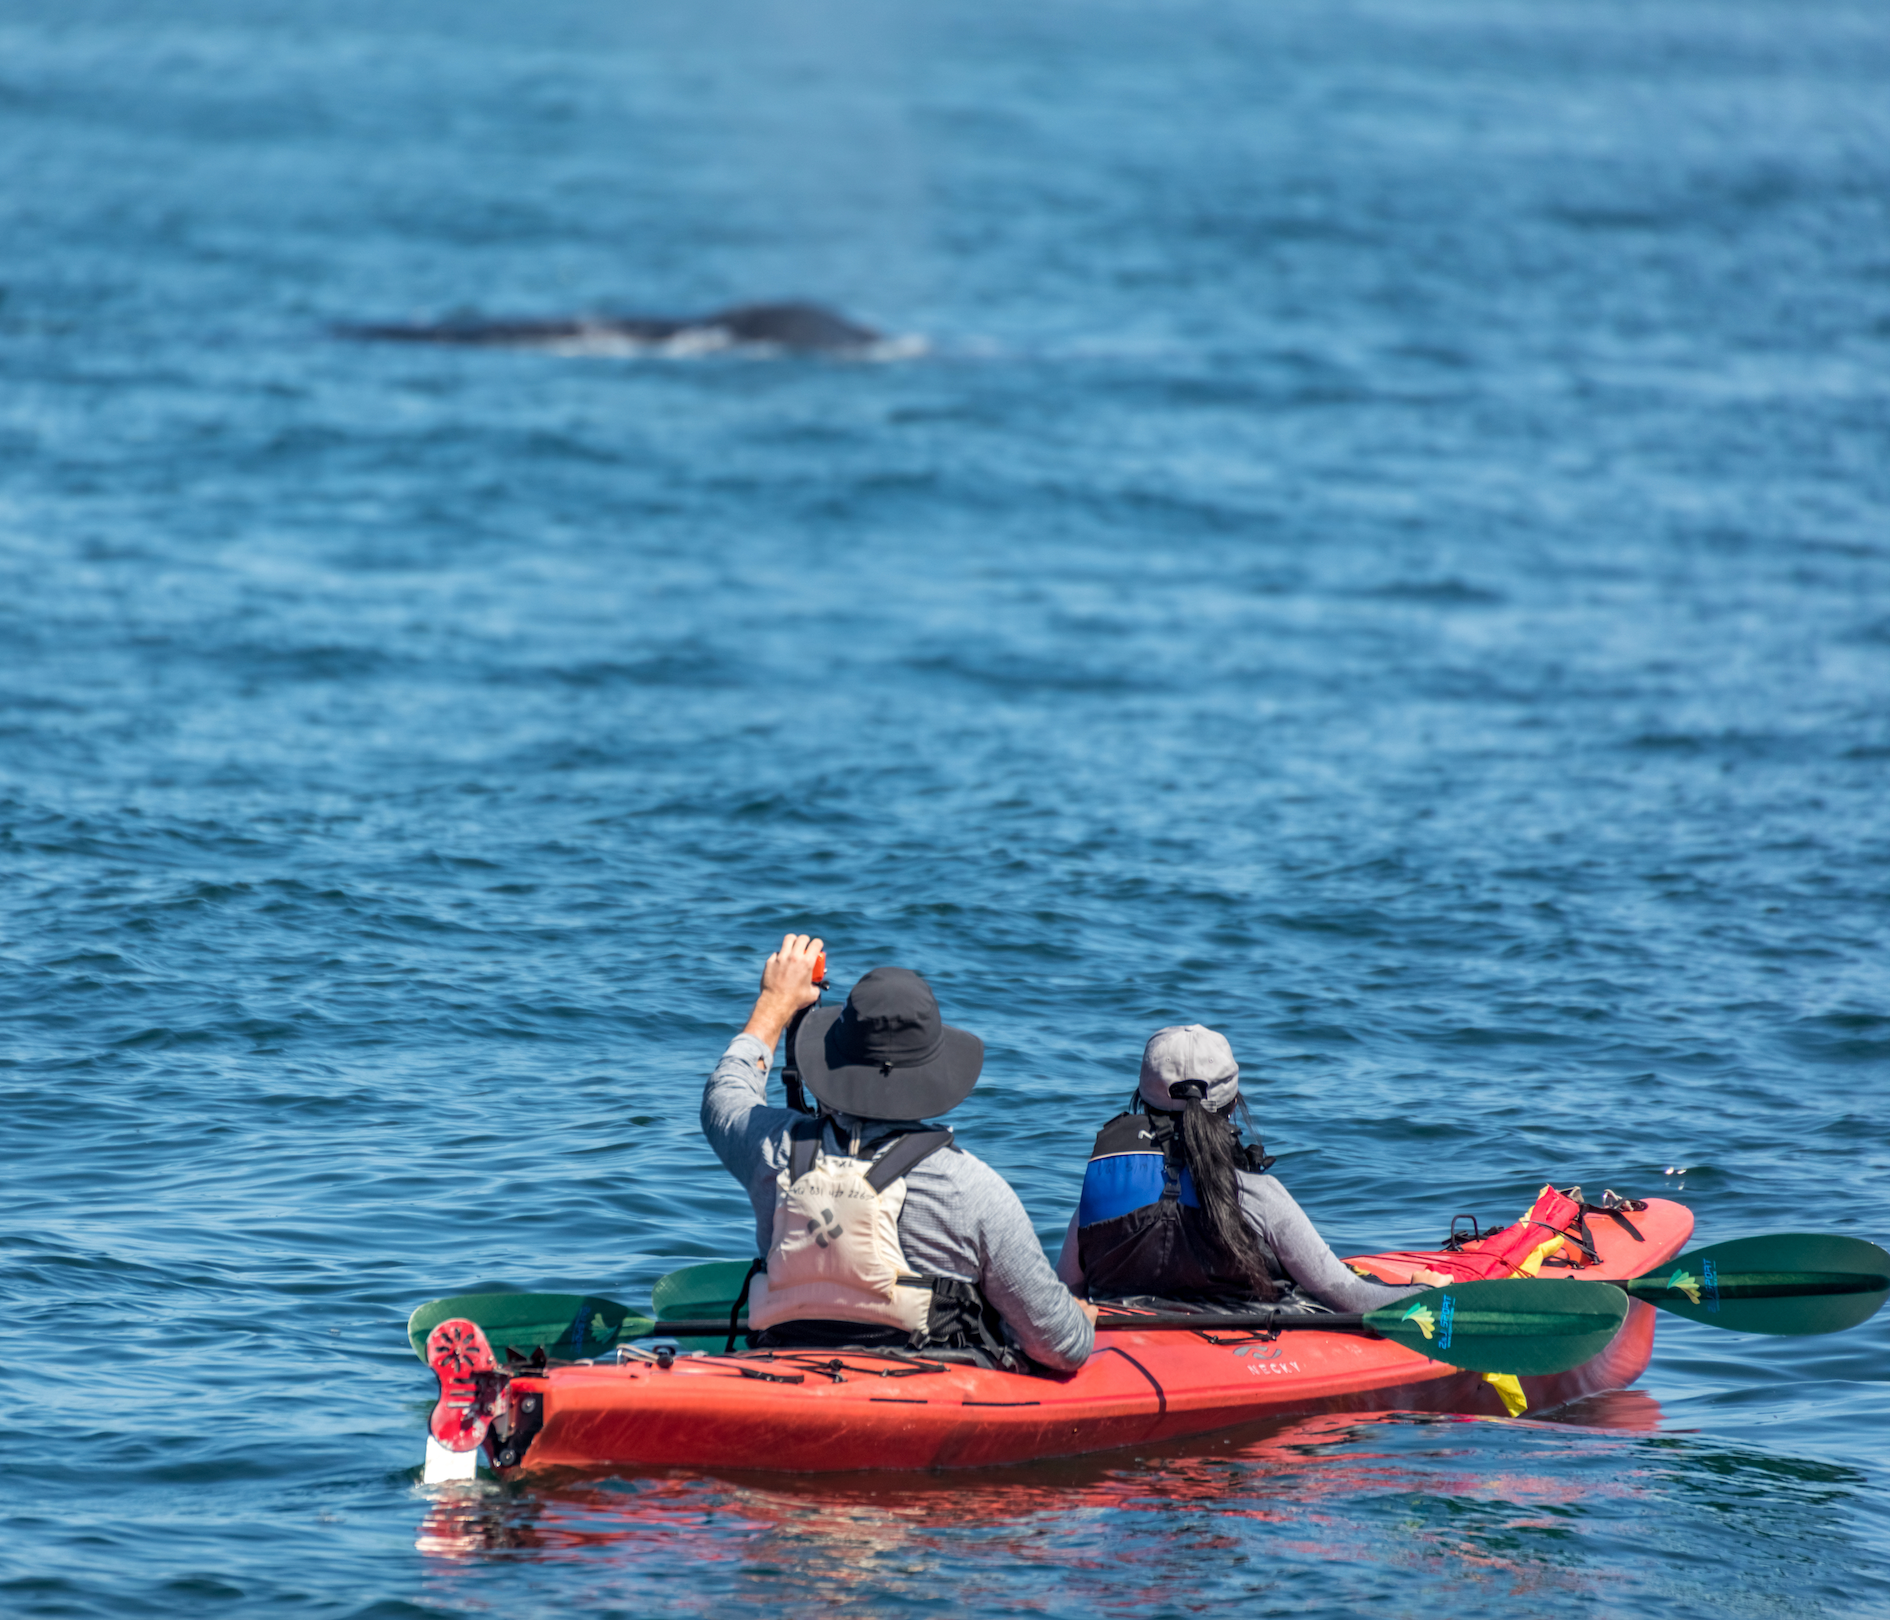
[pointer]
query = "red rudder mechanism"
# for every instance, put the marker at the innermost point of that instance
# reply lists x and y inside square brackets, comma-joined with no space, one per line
[470,1382]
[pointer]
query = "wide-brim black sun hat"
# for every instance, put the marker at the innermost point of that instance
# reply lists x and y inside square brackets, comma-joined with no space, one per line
[887,1054]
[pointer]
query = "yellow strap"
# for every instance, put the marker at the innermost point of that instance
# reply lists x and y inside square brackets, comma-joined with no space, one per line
[1537,1255]
[1509,1388]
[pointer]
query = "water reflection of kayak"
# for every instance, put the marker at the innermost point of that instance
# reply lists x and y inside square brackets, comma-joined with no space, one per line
[822,1412]
[840,1522]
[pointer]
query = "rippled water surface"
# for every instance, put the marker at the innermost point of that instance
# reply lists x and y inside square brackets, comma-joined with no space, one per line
[1385,550]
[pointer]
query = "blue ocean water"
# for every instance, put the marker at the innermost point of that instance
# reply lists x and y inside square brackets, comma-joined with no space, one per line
[1380,543]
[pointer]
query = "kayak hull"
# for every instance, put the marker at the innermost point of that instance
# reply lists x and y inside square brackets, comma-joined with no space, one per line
[818,1412]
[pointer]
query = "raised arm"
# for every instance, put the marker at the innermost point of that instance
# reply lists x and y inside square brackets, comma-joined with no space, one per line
[736,1117]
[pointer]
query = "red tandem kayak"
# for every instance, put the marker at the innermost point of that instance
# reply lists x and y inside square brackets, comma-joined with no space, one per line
[828,1412]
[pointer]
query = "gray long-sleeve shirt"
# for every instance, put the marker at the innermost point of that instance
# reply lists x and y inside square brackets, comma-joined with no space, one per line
[960,1219]
[1285,1228]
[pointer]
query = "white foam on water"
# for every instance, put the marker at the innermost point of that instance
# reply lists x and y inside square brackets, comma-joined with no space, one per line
[445,1467]
[602,342]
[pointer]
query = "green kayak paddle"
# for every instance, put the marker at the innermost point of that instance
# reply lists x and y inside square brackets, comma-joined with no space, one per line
[1488,1327]
[575,1327]
[1515,1326]
[1785,1283]
[1498,1327]
[1795,1283]
[568,1326]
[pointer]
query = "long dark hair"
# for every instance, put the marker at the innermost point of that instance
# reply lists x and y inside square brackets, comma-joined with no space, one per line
[1210,1147]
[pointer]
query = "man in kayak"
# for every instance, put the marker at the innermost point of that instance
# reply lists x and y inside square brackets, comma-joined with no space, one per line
[877,1230]
[1174,1204]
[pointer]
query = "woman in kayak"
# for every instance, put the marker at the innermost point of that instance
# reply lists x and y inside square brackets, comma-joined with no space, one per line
[1174,1203]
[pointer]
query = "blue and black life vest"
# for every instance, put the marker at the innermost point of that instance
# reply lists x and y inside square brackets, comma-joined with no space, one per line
[1140,1228]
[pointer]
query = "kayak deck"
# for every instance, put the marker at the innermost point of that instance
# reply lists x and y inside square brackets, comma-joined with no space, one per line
[825,1411]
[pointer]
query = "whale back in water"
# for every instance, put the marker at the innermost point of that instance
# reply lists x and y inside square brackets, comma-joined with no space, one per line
[800,327]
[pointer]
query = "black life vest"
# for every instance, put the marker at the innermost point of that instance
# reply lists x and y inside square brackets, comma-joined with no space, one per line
[1140,1228]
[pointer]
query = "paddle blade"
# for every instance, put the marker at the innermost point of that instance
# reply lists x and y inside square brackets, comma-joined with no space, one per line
[567,1326]
[1787,1283]
[1512,1326]
[704,1292]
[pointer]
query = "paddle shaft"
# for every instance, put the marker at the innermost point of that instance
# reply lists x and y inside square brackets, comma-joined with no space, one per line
[1504,1327]
[1793,1285]
[1267,1321]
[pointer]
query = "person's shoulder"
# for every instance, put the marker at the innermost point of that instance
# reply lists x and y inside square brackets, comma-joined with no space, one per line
[775,1128]
[969,1171]
[1128,1132]
[1269,1192]
[961,1160]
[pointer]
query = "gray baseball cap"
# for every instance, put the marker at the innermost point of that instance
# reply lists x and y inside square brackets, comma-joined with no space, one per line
[1188,1052]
